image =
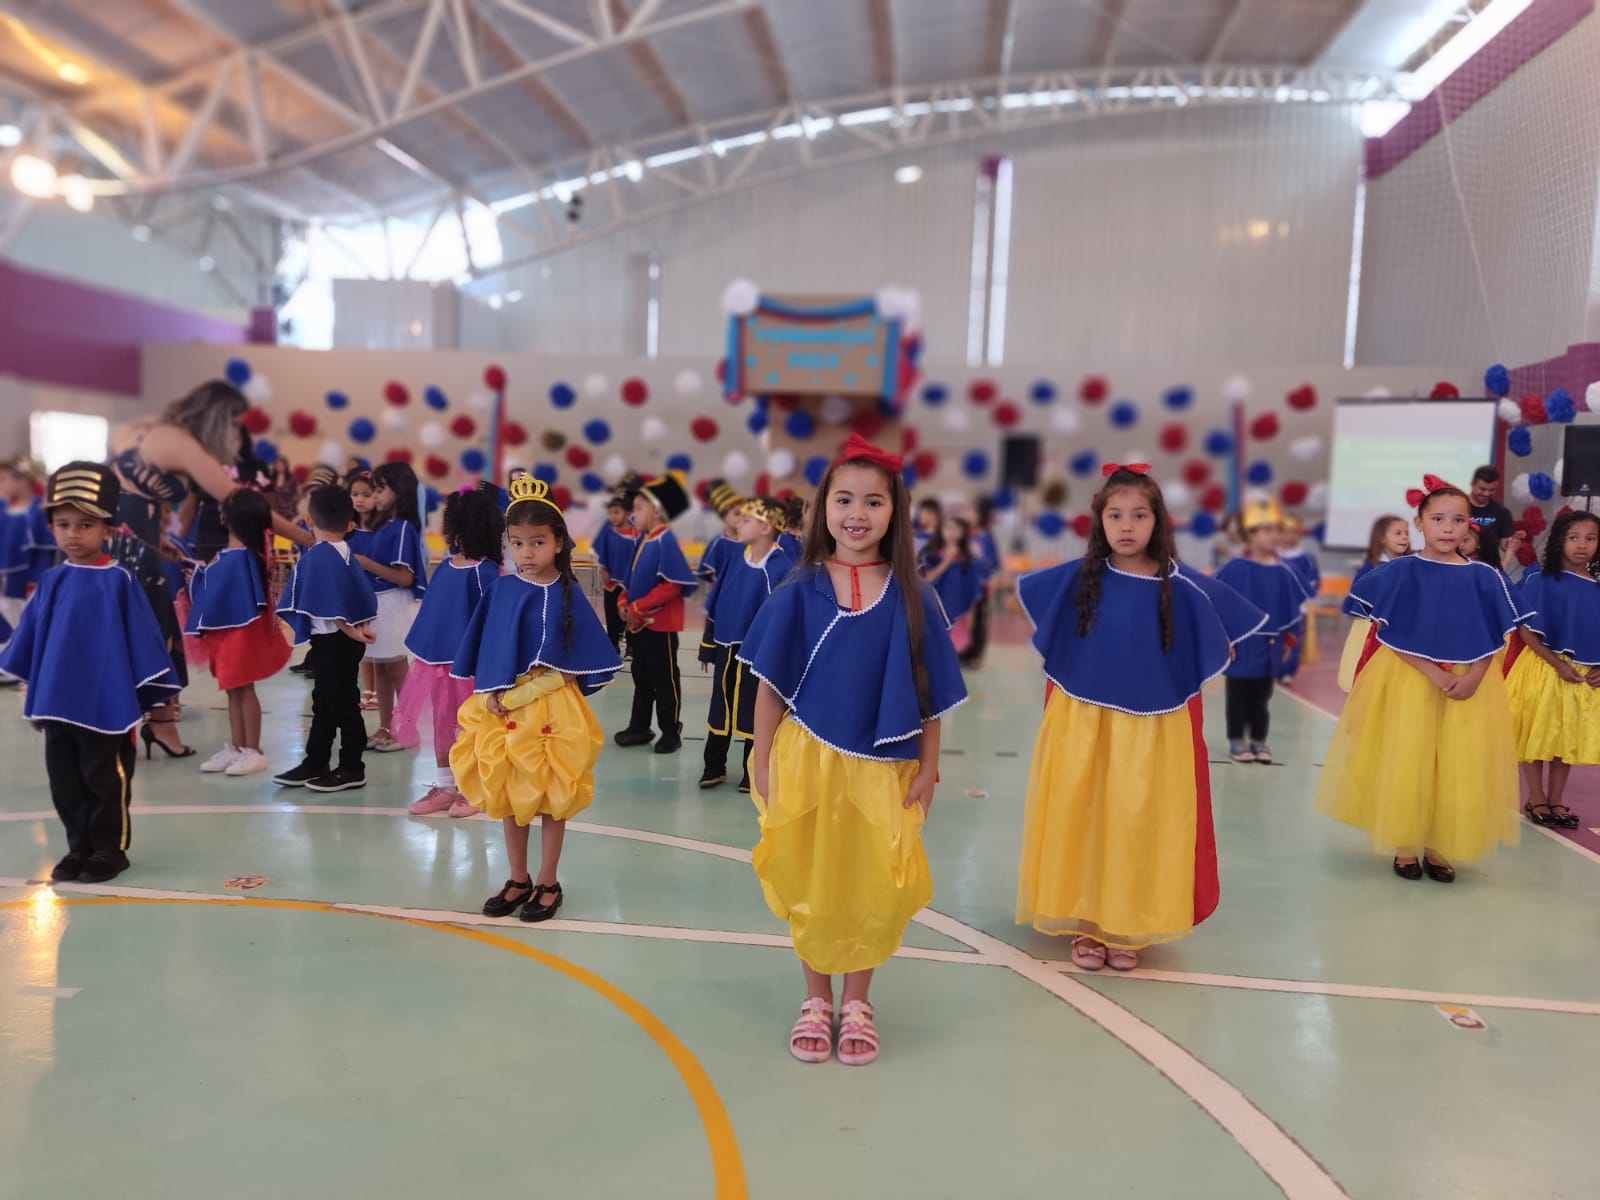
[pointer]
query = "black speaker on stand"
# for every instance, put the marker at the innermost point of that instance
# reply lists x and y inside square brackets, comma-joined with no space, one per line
[1019,461]
[1580,462]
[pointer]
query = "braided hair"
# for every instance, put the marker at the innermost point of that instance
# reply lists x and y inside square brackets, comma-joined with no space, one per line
[541,514]
[1555,559]
[1162,548]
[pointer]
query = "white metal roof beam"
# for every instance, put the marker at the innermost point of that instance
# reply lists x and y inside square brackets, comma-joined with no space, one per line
[546,22]
[642,14]
[1225,31]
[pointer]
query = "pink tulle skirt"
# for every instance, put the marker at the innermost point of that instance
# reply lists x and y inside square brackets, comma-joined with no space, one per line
[429,686]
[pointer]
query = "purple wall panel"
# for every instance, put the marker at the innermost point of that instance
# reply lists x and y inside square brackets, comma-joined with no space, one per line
[1575,370]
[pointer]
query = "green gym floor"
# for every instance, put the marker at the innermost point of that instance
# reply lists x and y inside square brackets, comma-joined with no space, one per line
[353,1028]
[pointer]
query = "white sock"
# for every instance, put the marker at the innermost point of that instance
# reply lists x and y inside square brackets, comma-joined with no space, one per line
[445,779]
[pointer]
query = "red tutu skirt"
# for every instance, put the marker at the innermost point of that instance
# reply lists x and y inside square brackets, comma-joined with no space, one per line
[248,654]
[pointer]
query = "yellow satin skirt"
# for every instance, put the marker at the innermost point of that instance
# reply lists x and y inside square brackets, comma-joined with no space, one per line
[1553,718]
[538,760]
[1354,644]
[1416,769]
[1117,841]
[840,857]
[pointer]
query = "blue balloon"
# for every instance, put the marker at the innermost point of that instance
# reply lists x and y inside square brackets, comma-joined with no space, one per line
[764,403]
[975,464]
[1541,485]
[1559,407]
[1497,381]
[1042,392]
[1259,472]
[935,394]
[434,397]
[680,462]
[1202,524]
[1083,462]
[909,474]
[597,431]
[590,482]
[1520,442]
[472,459]
[1004,499]
[545,471]
[1178,398]
[799,425]
[562,395]
[756,422]
[431,498]
[338,400]
[1219,442]
[816,468]
[264,450]
[1051,524]
[1124,414]
[362,430]
[237,372]
[1319,533]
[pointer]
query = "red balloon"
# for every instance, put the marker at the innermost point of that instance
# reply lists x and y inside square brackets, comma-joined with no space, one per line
[982,391]
[1293,493]
[1094,389]
[1007,415]
[1444,390]
[513,433]
[494,378]
[463,426]
[1264,427]
[256,421]
[763,484]
[909,438]
[435,467]
[1083,525]
[399,454]
[578,457]
[1196,471]
[703,429]
[1174,436]
[1213,498]
[868,424]
[561,495]
[395,393]
[302,424]
[301,473]
[635,392]
[1302,398]
[925,464]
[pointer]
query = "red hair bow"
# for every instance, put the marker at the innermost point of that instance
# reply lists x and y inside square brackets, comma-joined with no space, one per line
[1111,469]
[858,449]
[1430,485]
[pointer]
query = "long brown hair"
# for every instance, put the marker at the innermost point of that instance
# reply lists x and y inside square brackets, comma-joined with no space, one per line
[902,556]
[1380,531]
[1163,548]
[539,514]
[211,414]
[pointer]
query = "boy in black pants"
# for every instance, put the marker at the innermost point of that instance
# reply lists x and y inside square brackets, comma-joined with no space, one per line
[330,603]
[659,579]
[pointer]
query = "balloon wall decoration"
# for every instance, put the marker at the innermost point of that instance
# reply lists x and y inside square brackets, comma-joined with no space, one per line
[302,424]
[635,392]
[435,398]
[703,429]
[362,431]
[463,426]
[494,378]
[237,372]
[935,394]
[1294,492]
[1094,389]
[337,400]
[256,421]
[1174,436]
[1042,392]
[562,395]
[394,392]
[597,431]
[982,391]
[1178,398]
[1196,471]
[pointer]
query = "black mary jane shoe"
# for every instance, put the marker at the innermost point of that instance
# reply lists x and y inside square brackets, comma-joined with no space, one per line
[1544,818]
[1562,817]
[1438,872]
[1411,870]
[537,909]
[502,905]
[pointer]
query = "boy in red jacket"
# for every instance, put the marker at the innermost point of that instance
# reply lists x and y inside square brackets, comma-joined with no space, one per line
[652,604]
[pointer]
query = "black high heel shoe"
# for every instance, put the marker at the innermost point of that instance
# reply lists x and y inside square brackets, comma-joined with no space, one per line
[151,741]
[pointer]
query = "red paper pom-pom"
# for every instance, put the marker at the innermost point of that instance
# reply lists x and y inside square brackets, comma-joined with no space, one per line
[301,473]
[562,495]
[925,464]
[1083,525]
[784,494]
[982,391]
[909,439]
[1533,520]
[1302,398]
[1444,390]
[1174,436]
[463,426]
[702,490]
[703,429]
[1196,471]
[256,421]
[494,378]
[1264,427]
[514,434]
[1533,409]
[1007,415]
[868,424]
[302,424]
[1526,554]
[1294,492]
[1094,389]
[435,467]
[763,484]
[786,402]
[578,457]
[1213,498]
[400,454]
[395,393]
[635,392]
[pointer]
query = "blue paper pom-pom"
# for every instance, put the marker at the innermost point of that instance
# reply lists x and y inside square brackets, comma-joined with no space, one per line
[1004,499]
[1219,442]
[909,474]
[935,394]
[1124,414]
[1559,406]
[1051,524]
[799,425]
[431,499]
[338,400]
[590,482]
[265,451]
[816,468]
[1497,381]
[975,464]
[472,459]
[1083,462]
[1541,486]
[435,398]
[1259,473]
[756,422]
[237,372]
[1042,392]
[1520,442]
[1202,524]
[562,395]
[680,462]
[545,471]
[362,430]
[1178,398]
[597,431]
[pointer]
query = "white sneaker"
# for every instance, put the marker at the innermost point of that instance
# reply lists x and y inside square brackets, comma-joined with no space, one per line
[221,760]
[248,762]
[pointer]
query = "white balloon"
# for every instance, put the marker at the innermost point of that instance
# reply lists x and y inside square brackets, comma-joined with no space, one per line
[1511,412]
[613,469]
[332,453]
[1237,389]
[257,390]
[394,419]
[1306,448]
[740,298]
[596,385]
[956,420]
[652,429]
[1177,494]
[1520,492]
[900,304]
[834,410]
[780,464]
[736,466]
[687,383]
[1317,496]
[479,401]
[432,435]
[1065,420]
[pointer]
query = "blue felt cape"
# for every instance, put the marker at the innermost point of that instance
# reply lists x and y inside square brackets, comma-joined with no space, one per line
[658,557]
[225,593]
[959,587]
[90,650]
[1277,590]
[521,624]
[1566,613]
[614,552]
[324,587]
[1443,612]
[453,596]
[846,676]
[1350,608]
[742,587]
[792,545]
[398,544]
[1120,662]
[720,551]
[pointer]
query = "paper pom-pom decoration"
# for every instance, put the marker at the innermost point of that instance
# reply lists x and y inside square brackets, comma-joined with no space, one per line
[799,425]
[1591,398]
[1178,398]
[1065,421]
[956,420]
[237,372]
[394,420]
[908,473]
[1317,498]
[1526,554]
[1196,471]
[1042,392]
[1541,486]
[552,440]
[1444,390]
[1094,389]
[1533,519]
[302,424]
[1237,389]
[473,460]
[337,400]
[597,431]
[256,421]
[562,496]
[635,392]
[1213,498]
[786,401]
[265,451]
[1051,524]
[1559,407]
[816,468]
[735,465]
[1509,412]
[740,298]
[653,430]
[1219,443]
[435,398]
[463,426]
[780,463]
[362,430]
[395,393]
[1174,436]
[1294,492]
[613,469]
[1124,414]
[1520,442]
[1520,491]
[868,424]
[590,482]
[935,394]
[1264,427]
[1004,499]
[1202,524]
[480,401]
[494,378]
[703,429]
[1082,525]
[332,453]
[687,382]
[301,474]
[1083,462]
[1302,398]
[927,464]
[982,391]
[680,462]
[1177,495]
[762,486]
[1007,415]
[595,385]
[975,464]
[1306,448]
[1497,381]
[513,433]
[909,439]
[1054,494]
[545,472]
[398,454]
[756,422]
[562,395]
[834,410]
[578,457]
[1259,473]
[1533,411]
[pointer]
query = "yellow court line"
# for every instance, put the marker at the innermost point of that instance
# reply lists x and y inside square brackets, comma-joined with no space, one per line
[727,1166]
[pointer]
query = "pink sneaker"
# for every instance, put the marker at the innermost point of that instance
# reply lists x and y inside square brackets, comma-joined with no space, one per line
[462,807]
[437,800]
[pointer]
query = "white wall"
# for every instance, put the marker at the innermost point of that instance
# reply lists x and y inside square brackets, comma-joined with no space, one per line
[20,398]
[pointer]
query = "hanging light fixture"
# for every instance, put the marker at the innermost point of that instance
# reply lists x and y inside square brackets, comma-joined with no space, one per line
[33,176]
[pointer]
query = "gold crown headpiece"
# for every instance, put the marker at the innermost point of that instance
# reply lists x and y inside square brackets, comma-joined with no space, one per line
[525,489]
[770,511]
[1258,512]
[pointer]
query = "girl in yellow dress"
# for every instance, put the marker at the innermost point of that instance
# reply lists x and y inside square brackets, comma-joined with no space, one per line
[1117,845]
[1553,680]
[528,740]
[1390,539]
[856,669]
[1422,757]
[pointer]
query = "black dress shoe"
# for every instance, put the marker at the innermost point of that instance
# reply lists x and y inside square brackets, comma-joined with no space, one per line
[503,904]
[1412,870]
[633,737]
[669,743]
[69,868]
[711,776]
[1438,872]
[537,909]
[102,866]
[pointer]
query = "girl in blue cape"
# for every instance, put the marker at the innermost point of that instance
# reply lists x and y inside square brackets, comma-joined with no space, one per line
[856,671]
[398,566]
[1117,844]
[1390,539]
[528,740]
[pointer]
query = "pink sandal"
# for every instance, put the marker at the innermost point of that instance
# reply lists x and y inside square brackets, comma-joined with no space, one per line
[856,1026]
[1120,959]
[1088,954]
[815,1024]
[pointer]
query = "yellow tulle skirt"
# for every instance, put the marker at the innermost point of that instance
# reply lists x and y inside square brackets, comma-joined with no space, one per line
[840,857]
[1553,718]
[1416,769]
[1354,643]
[538,760]
[1116,839]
